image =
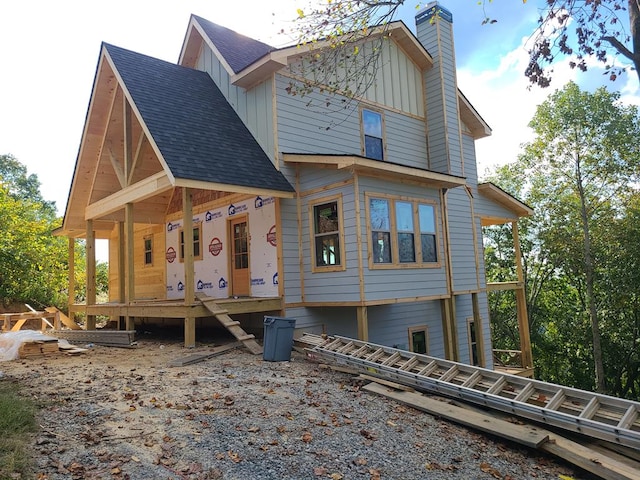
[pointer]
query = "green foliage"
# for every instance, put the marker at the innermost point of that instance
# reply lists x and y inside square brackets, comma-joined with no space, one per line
[17,421]
[581,247]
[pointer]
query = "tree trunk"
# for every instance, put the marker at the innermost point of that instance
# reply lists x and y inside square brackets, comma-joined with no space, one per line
[634,24]
[589,279]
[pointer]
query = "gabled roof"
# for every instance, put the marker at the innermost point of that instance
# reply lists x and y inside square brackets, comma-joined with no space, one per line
[239,51]
[199,135]
[502,198]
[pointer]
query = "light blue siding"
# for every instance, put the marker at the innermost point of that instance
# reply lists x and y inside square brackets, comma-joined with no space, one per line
[462,242]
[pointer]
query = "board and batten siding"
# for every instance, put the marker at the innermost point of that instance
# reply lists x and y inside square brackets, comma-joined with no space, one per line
[394,81]
[308,125]
[253,106]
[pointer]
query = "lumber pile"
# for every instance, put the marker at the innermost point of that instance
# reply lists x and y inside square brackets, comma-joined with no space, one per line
[38,348]
[107,338]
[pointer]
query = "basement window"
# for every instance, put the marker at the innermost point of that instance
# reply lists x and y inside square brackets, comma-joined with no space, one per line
[327,234]
[474,356]
[197,242]
[419,339]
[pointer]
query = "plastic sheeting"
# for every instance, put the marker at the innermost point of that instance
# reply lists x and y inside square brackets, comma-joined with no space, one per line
[11,342]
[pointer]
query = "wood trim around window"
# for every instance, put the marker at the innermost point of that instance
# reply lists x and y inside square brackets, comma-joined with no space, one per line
[395,263]
[419,328]
[196,226]
[312,234]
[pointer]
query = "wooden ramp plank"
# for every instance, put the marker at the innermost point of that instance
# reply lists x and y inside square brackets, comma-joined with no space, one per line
[248,340]
[531,437]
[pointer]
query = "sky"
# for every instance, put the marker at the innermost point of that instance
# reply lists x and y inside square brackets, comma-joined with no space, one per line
[49,52]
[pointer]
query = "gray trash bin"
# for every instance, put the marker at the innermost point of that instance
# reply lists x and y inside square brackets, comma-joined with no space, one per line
[278,338]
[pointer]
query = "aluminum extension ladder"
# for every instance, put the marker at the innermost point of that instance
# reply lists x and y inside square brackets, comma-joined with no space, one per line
[595,415]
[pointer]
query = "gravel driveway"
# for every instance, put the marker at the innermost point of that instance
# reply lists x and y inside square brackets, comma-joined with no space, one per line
[126,414]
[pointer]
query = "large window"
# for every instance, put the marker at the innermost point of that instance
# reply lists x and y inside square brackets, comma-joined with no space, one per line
[327,234]
[402,232]
[197,242]
[372,132]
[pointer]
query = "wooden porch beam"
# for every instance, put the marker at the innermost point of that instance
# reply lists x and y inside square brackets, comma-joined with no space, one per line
[130,292]
[521,303]
[72,275]
[363,323]
[137,192]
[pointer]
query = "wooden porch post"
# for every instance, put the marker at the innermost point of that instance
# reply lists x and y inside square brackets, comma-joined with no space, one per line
[521,303]
[363,323]
[449,328]
[72,277]
[130,290]
[91,274]
[189,287]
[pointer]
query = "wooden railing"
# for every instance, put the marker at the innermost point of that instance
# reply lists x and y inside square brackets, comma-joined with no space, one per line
[507,358]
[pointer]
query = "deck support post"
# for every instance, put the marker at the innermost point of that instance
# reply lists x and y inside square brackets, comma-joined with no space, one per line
[449,329]
[363,323]
[477,321]
[130,290]
[72,277]
[521,303]
[189,287]
[91,273]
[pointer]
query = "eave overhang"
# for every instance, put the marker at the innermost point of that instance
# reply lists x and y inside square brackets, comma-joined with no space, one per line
[496,194]
[367,166]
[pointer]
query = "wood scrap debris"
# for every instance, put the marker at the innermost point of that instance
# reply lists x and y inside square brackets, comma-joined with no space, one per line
[201,357]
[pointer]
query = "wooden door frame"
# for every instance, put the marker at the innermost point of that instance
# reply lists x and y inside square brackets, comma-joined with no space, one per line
[230,222]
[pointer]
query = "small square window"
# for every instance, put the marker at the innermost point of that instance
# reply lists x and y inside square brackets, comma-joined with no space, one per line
[373,143]
[419,340]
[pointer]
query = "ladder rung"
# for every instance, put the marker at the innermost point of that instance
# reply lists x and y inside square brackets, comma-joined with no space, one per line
[629,417]
[345,348]
[525,393]
[375,355]
[428,369]
[361,351]
[497,387]
[591,408]
[409,364]
[333,345]
[556,400]
[449,374]
[392,359]
[472,380]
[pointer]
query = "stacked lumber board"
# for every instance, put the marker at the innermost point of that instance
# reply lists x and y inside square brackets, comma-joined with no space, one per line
[38,348]
[108,338]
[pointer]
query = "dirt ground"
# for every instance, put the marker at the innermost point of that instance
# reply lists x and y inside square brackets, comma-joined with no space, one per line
[127,414]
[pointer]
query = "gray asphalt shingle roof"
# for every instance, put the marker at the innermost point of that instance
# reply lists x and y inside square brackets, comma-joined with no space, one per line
[239,51]
[198,133]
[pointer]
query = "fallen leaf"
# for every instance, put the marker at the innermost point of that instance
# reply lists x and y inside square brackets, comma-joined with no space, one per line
[306,437]
[319,471]
[486,468]
[235,457]
[336,476]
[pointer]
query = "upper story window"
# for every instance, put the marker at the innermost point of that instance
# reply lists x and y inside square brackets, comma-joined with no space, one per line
[327,234]
[197,242]
[373,136]
[402,232]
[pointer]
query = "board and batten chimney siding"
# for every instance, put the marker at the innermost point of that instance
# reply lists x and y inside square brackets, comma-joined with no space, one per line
[434,28]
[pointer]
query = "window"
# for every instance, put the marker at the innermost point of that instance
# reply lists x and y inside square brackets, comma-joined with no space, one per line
[419,340]
[426,215]
[404,225]
[373,145]
[197,236]
[402,232]
[148,250]
[380,230]
[327,234]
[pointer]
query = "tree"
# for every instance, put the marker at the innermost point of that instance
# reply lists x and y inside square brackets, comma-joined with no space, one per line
[584,160]
[32,261]
[579,29]
[585,28]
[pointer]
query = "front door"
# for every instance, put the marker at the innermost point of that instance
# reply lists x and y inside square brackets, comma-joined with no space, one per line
[239,257]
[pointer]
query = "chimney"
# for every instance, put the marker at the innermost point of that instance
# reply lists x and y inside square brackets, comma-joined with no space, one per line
[434,28]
